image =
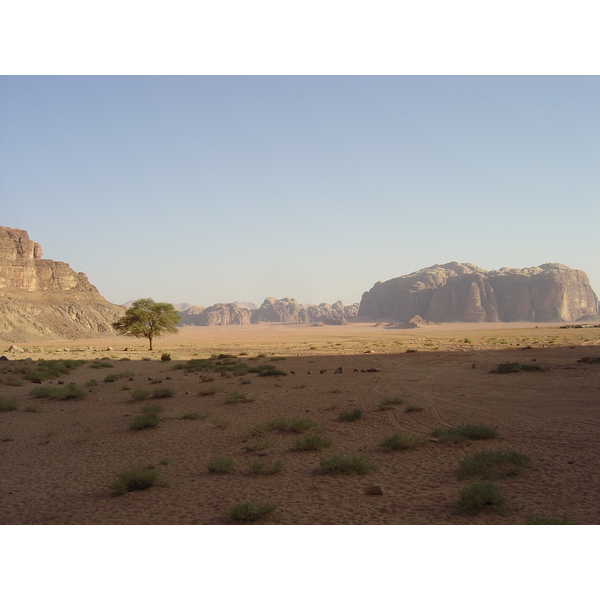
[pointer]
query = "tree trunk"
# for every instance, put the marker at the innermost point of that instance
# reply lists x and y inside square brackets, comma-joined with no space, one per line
[150,338]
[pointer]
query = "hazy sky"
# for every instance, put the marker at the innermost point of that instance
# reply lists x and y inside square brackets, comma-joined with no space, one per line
[207,189]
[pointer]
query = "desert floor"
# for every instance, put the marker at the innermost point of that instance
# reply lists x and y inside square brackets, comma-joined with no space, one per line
[59,457]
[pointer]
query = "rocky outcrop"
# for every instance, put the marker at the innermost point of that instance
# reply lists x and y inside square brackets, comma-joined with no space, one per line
[43,299]
[272,310]
[285,310]
[218,314]
[465,292]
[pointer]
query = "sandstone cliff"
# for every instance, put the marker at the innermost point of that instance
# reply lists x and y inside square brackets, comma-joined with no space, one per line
[465,292]
[43,299]
[218,314]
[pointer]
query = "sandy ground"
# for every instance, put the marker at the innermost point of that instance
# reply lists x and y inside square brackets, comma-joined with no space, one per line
[58,457]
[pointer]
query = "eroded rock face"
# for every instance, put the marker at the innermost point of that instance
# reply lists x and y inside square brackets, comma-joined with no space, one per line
[43,299]
[218,314]
[465,292]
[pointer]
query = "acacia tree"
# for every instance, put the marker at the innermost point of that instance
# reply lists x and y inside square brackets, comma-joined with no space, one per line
[148,319]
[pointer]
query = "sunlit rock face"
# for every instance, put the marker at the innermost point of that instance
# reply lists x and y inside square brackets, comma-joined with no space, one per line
[465,292]
[44,299]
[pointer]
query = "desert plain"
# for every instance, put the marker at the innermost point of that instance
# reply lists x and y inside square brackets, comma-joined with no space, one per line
[58,458]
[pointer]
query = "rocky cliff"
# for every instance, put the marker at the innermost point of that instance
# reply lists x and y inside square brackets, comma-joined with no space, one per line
[43,299]
[465,292]
[272,310]
[218,314]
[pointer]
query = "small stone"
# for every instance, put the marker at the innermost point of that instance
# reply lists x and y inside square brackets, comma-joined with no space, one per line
[375,490]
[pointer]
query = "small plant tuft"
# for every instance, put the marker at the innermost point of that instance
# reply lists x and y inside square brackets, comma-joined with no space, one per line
[221,464]
[165,357]
[149,417]
[247,512]
[461,433]
[314,441]
[493,465]
[350,464]
[8,405]
[262,467]
[389,403]
[479,494]
[139,394]
[548,520]
[350,415]
[137,478]
[401,441]
[163,393]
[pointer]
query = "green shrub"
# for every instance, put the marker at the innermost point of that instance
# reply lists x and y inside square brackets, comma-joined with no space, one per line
[221,464]
[165,357]
[102,364]
[116,376]
[314,441]
[461,433]
[248,512]
[532,368]
[548,520]
[262,467]
[351,464]
[493,465]
[67,392]
[479,494]
[48,369]
[90,383]
[137,478]
[139,394]
[507,368]
[283,424]
[389,403]
[350,415]
[211,391]
[401,441]
[163,393]
[193,416]
[235,397]
[148,418]
[267,371]
[8,405]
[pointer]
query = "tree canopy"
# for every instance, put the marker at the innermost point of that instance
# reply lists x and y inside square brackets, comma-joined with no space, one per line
[148,319]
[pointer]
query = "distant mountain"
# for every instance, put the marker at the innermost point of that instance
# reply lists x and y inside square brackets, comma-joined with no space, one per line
[272,310]
[465,292]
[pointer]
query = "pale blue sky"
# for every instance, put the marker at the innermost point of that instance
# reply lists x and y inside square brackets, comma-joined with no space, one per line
[213,189]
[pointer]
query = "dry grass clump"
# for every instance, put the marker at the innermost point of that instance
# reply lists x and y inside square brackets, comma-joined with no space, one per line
[67,392]
[314,441]
[401,441]
[139,394]
[8,405]
[389,403]
[221,464]
[148,418]
[548,520]
[346,464]
[247,512]
[493,465]
[137,478]
[283,424]
[262,467]
[462,433]
[350,415]
[479,494]
[163,393]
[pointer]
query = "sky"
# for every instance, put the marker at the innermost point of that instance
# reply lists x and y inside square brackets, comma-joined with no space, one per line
[207,189]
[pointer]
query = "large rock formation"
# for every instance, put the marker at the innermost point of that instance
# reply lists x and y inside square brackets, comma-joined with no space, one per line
[287,310]
[218,314]
[43,299]
[465,292]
